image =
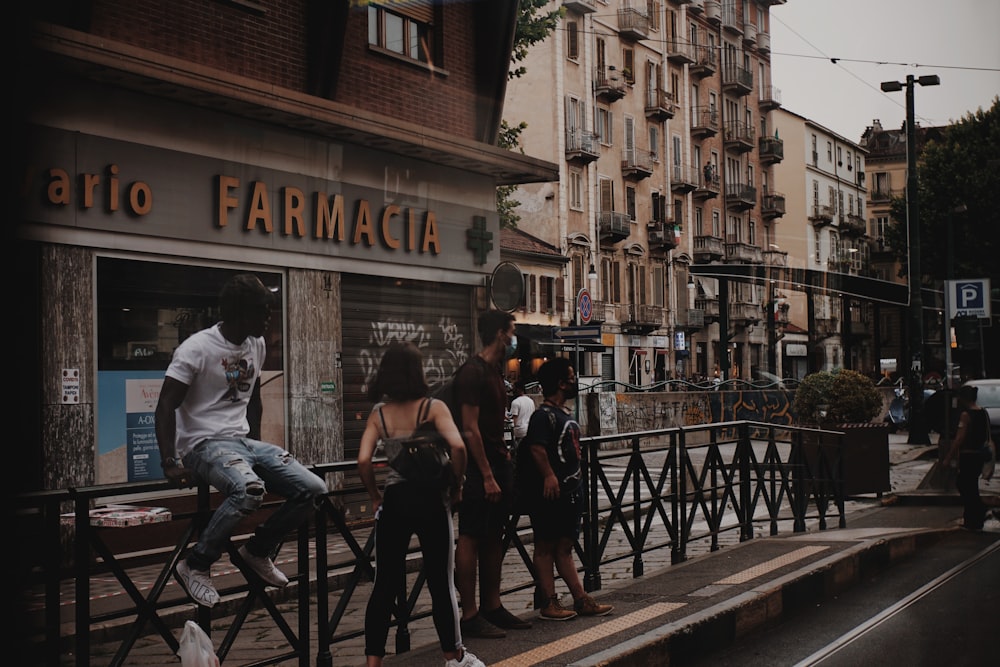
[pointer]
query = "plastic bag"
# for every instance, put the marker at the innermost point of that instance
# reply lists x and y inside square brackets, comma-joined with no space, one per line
[196,647]
[990,464]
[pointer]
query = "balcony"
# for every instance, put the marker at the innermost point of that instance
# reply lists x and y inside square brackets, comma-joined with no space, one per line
[743,313]
[708,183]
[637,164]
[581,6]
[825,327]
[838,265]
[749,34]
[852,225]
[743,253]
[660,104]
[713,11]
[771,150]
[821,215]
[661,236]
[739,136]
[609,85]
[692,318]
[613,226]
[683,178]
[680,52]
[633,23]
[770,98]
[603,311]
[706,62]
[704,122]
[737,80]
[641,318]
[582,147]
[708,248]
[696,6]
[740,196]
[709,307]
[763,43]
[776,259]
[772,205]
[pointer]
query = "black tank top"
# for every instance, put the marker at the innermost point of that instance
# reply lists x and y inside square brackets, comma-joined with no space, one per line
[978,430]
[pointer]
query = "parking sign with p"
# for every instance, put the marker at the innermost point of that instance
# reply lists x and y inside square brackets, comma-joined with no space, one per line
[969,298]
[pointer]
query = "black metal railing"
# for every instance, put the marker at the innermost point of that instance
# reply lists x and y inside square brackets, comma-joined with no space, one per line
[709,484]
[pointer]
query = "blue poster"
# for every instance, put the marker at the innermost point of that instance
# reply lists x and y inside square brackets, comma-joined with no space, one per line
[126,431]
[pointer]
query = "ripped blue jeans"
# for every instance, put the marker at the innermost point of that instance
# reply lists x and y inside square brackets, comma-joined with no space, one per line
[243,470]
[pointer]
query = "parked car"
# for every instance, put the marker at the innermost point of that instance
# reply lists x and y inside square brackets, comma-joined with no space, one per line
[989,399]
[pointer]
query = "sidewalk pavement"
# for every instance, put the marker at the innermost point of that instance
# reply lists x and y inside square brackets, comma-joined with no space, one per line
[673,610]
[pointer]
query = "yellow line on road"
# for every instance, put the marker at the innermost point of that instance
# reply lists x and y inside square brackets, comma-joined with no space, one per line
[607,628]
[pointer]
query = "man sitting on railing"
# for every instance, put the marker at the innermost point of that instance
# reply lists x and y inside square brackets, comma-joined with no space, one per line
[207,425]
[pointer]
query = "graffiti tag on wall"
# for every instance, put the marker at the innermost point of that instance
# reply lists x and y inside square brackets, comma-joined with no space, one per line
[443,346]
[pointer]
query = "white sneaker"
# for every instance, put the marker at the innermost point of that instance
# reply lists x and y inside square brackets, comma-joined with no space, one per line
[198,584]
[468,660]
[264,567]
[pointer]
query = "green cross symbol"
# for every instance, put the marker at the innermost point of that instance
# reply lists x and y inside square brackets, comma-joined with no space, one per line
[480,241]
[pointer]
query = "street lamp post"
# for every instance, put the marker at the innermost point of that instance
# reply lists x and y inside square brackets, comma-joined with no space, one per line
[918,421]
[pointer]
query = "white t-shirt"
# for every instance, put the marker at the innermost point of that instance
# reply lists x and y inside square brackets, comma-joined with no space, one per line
[520,411]
[220,377]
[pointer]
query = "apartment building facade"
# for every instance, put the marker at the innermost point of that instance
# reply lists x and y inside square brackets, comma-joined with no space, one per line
[658,115]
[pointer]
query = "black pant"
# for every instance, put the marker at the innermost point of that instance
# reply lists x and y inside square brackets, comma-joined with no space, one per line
[970,468]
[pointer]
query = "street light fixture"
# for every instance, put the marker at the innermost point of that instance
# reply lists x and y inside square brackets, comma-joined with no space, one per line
[918,421]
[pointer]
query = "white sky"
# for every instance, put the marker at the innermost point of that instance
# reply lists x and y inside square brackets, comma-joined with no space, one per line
[956,39]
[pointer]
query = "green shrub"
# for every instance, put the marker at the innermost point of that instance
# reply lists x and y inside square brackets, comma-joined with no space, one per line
[836,397]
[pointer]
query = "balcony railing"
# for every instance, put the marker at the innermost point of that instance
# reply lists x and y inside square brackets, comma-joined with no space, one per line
[642,318]
[743,253]
[713,11]
[706,62]
[824,327]
[660,104]
[772,205]
[740,196]
[770,98]
[613,226]
[739,136]
[852,225]
[821,214]
[637,163]
[708,183]
[680,51]
[749,33]
[692,318]
[582,146]
[775,258]
[604,311]
[582,6]
[709,306]
[609,84]
[708,248]
[704,121]
[743,313]
[736,79]
[633,23]
[683,178]
[771,150]
[763,43]
[661,236]
[729,20]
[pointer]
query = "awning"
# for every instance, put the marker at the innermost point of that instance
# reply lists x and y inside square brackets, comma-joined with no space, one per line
[539,333]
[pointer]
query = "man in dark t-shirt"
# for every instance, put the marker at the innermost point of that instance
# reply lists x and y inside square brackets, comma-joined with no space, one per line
[487,495]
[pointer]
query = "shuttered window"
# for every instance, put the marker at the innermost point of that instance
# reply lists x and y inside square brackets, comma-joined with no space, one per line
[405,28]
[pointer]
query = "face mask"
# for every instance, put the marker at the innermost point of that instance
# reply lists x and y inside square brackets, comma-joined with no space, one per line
[571,391]
[511,348]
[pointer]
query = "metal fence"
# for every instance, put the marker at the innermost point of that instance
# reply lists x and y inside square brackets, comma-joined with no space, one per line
[662,490]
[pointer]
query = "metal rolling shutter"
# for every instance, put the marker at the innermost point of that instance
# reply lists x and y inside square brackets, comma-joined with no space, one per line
[436,317]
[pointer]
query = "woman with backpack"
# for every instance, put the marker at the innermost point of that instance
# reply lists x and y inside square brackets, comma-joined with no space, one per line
[409,506]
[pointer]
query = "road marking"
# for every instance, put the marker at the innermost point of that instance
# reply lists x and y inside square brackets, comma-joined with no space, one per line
[605,629]
[771,565]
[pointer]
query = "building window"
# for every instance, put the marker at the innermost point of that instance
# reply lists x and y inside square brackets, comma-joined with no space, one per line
[630,202]
[880,226]
[406,30]
[572,40]
[699,222]
[716,225]
[658,285]
[654,143]
[604,125]
[628,65]
[881,184]
[576,189]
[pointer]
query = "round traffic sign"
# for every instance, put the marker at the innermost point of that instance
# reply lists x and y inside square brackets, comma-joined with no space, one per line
[584,305]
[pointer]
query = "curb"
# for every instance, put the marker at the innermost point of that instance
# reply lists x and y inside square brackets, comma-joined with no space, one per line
[728,621]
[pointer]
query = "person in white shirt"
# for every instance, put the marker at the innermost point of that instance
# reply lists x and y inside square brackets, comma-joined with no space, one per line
[207,428]
[520,411]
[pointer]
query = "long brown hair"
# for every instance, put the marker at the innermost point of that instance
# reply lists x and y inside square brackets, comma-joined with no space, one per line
[400,375]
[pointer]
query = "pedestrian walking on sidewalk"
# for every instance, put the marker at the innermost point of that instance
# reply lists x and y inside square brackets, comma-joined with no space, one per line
[208,431]
[968,447]
[549,487]
[488,496]
[399,391]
